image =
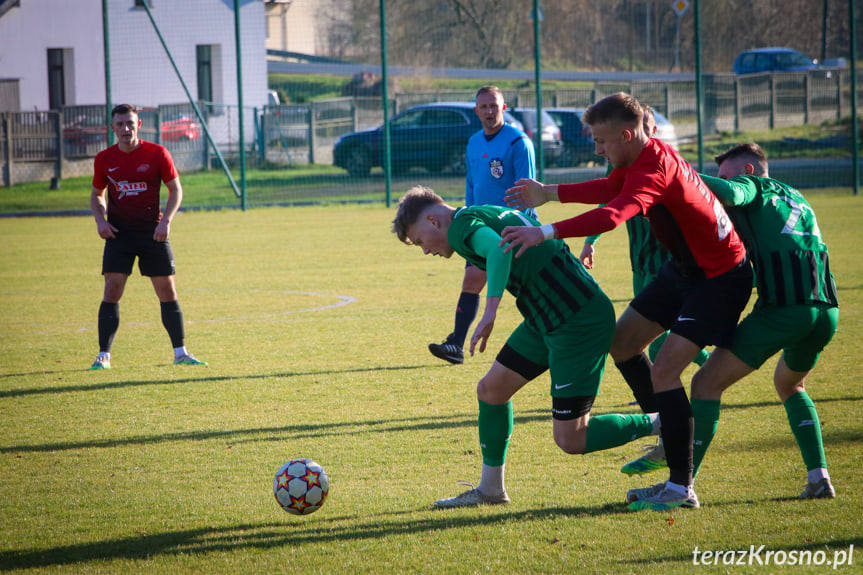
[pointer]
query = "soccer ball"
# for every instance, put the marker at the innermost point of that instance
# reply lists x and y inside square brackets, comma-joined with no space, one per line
[301,486]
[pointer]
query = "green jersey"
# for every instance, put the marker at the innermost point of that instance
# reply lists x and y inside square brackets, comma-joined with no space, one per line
[549,284]
[782,238]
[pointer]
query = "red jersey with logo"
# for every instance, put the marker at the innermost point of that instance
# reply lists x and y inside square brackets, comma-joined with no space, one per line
[684,214]
[133,181]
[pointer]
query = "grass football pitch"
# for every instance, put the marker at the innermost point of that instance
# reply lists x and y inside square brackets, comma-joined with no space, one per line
[315,322]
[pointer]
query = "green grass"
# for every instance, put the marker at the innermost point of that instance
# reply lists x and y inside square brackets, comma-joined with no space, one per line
[152,468]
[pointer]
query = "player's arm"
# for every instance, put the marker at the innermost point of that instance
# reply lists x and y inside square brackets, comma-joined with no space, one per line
[523,159]
[595,221]
[175,198]
[486,243]
[99,207]
[738,191]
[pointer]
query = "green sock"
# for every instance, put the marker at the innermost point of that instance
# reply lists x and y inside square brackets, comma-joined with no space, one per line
[613,430]
[807,429]
[701,357]
[705,413]
[495,430]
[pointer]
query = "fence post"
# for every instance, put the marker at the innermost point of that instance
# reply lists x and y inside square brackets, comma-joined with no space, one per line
[313,128]
[58,138]
[807,89]
[839,95]
[772,100]
[7,149]
[738,105]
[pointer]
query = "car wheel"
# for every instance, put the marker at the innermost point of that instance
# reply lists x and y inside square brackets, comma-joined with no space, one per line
[359,162]
[455,160]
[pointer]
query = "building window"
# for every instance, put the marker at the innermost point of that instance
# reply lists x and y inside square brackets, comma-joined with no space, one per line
[205,73]
[56,79]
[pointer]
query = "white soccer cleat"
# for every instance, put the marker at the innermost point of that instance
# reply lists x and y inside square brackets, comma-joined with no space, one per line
[471,498]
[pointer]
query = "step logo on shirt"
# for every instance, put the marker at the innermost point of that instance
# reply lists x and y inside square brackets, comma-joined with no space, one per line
[495,166]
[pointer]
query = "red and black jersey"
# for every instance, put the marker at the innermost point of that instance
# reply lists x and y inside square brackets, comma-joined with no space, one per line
[134,180]
[684,214]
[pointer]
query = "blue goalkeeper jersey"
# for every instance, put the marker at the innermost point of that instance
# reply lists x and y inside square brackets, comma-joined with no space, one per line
[494,165]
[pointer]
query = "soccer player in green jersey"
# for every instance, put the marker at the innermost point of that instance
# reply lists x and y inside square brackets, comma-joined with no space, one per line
[796,311]
[567,329]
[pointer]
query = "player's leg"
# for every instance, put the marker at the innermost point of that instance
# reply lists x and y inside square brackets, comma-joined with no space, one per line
[452,348]
[577,352]
[157,262]
[789,378]
[648,315]
[118,258]
[631,336]
[708,315]
[495,422]
[720,372]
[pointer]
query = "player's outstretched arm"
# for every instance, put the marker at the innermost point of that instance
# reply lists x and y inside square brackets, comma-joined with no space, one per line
[528,193]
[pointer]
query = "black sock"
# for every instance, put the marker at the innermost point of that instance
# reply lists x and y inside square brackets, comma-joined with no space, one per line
[465,313]
[675,413]
[636,372]
[172,319]
[109,322]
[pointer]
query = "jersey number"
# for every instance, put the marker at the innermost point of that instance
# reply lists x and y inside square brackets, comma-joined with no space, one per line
[793,220]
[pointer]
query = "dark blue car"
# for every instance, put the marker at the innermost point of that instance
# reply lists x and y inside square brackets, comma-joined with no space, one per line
[431,136]
[772,60]
[578,146]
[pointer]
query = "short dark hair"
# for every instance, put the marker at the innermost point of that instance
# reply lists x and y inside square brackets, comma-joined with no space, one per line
[750,151]
[123,109]
[488,90]
[415,201]
[620,107]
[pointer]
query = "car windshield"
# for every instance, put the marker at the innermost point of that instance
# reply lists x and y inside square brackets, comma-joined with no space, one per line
[529,119]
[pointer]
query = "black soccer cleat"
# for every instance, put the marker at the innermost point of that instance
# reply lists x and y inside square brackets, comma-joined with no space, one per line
[447,351]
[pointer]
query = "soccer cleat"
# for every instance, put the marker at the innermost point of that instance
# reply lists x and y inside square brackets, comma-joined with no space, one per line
[447,351]
[818,490]
[653,459]
[471,498]
[659,498]
[188,359]
[102,362]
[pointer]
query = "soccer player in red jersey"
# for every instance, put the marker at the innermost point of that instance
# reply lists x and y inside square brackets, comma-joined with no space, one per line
[698,295]
[127,179]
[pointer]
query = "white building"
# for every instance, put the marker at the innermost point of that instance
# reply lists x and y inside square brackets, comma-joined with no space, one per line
[52,52]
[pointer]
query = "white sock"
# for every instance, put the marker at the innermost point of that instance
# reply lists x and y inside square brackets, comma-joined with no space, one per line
[179,351]
[816,475]
[683,489]
[491,482]
[105,354]
[657,426]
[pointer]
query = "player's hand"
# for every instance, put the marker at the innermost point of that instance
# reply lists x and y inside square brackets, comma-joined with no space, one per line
[526,193]
[586,256]
[481,333]
[105,230]
[524,236]
[163,228]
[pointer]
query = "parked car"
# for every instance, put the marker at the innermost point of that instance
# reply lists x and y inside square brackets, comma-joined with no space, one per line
[578,146]
[431,136]
[552,145]
[84,136]
[772,60]
[180,129]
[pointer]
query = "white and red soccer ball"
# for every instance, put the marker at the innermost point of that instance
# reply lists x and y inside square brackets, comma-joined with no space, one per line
[301,486]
